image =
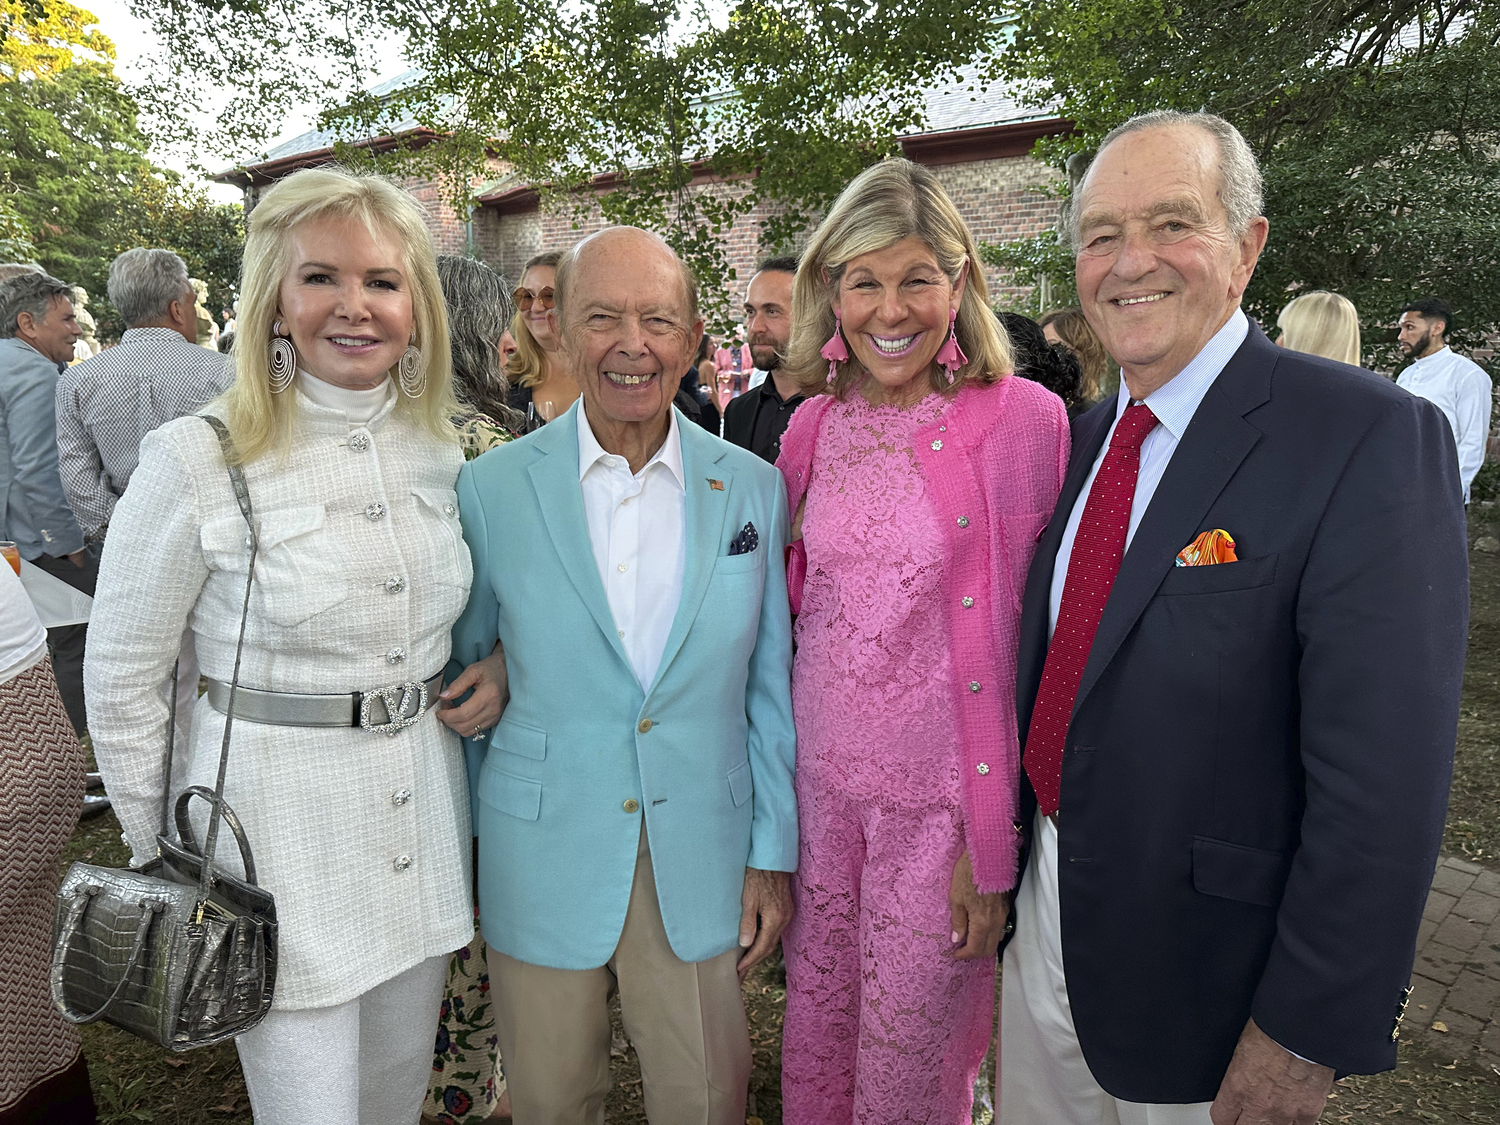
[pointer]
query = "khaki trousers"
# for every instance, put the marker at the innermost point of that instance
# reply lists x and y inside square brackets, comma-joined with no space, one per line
[1043,1076]
[686,1021]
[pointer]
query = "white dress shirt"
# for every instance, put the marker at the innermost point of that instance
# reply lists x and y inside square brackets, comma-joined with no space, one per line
[1174,404]
[1462,391]
[637,528]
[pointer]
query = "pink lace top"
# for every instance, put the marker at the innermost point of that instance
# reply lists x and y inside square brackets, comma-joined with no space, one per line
[870,684]
[983,468]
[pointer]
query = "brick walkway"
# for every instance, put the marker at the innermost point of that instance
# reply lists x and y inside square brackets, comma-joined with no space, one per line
[1455,1000]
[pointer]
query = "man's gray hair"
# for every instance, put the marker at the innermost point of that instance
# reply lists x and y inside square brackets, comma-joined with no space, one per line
[1241,187]
[9,270]
[31,292]
[142,283]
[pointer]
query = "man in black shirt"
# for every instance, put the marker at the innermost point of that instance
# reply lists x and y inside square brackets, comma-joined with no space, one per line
[757,419]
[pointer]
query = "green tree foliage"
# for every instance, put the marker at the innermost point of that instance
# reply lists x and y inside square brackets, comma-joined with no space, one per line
[772,101]
[77,185]
[1377,123]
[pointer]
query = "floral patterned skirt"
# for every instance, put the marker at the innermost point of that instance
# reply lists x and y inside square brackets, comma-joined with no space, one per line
[467,1076]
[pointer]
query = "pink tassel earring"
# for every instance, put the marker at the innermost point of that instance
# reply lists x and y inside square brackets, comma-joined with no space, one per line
[950,355]
[835,351]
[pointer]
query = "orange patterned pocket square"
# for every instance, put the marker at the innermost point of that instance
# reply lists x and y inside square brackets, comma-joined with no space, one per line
[1216,546]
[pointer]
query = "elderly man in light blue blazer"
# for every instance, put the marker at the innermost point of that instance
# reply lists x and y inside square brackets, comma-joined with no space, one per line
[634,804]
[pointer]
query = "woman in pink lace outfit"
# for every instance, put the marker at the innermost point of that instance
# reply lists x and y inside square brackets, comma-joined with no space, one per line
[920,481]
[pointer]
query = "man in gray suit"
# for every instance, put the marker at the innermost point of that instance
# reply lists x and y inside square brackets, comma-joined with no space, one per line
[37,331]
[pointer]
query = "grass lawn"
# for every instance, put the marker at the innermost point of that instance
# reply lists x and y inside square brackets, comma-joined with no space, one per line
[136,1082]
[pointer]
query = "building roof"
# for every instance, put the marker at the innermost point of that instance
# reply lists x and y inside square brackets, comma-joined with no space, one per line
[986,112]
[969,101]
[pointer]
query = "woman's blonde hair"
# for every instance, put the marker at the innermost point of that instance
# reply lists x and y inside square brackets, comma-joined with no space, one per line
[262,421]
[1322,323]
[884,204]
[528,367]
[1074,331]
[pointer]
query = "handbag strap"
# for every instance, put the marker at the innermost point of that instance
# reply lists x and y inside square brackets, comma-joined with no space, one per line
[242,495]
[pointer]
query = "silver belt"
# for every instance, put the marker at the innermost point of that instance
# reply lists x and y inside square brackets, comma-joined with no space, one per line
[386,709]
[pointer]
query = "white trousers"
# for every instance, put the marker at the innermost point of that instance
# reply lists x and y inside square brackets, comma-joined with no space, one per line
[1042,1077]
[364,1062]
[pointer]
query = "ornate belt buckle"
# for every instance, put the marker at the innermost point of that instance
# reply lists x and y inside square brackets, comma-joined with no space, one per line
[397,698]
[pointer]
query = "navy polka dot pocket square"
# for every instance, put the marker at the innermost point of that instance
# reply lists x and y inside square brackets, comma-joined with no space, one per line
[746,541]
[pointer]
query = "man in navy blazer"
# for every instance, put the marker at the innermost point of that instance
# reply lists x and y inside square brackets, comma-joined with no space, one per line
[1220,914]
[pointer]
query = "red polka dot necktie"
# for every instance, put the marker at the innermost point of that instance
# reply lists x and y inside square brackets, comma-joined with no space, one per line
[1097,550]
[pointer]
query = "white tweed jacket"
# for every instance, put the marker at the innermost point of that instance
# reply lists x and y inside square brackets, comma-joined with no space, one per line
[363,837]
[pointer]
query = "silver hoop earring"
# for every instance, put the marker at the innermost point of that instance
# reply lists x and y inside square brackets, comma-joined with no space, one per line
[283,360]
[411,372]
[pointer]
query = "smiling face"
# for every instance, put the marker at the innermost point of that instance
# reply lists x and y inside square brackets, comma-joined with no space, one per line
[540,280]
[628,334]
[55,334]
[895,305]
[346,302]
[1158,269]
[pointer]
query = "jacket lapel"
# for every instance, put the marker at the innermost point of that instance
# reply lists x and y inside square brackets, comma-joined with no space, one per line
[560,497]
[705,511]
[1216,441]
[1088,439]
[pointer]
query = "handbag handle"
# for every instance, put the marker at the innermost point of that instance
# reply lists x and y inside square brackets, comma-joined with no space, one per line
[242,496]
[190,840]
[70,928]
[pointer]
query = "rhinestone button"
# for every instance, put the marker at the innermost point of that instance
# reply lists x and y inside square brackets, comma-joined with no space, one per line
[983,768]
[631,805]
[968,603]
[398,654]
[963,521]
[938,444]
[374,510]
[395,584]
[359,442]
[644,726]
[973,685]
[400,797]
[449,510]
[401,862]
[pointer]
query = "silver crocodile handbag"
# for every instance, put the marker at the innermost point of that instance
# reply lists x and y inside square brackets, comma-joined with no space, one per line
[180,952]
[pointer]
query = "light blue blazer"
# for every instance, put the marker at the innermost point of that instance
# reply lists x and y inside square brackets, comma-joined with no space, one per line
[582,754]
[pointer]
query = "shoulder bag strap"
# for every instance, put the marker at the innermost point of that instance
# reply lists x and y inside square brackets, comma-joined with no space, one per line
[242,495]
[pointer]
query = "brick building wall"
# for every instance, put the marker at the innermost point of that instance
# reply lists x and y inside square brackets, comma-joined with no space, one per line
[1001,200]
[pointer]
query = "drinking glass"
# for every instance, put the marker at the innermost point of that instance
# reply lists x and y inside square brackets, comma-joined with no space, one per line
[11,554]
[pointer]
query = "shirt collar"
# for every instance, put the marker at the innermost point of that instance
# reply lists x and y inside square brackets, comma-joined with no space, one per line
[768,390]
[590,452]
[1176,401]
[1441,353]
[153,332]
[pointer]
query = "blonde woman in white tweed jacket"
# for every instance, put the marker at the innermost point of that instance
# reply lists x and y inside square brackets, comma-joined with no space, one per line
[363,836]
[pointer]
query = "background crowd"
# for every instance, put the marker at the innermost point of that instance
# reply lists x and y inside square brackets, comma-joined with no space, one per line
[604,611]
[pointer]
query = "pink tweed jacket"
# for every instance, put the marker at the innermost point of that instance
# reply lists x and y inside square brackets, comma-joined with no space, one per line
[994,463]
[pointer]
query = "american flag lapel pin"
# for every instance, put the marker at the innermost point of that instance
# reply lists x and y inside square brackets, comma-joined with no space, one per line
[716,485]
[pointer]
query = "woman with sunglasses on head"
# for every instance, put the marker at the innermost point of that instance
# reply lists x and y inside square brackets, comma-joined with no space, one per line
[541,388]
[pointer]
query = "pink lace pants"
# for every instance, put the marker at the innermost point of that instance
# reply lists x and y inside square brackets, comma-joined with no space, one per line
[882,1024]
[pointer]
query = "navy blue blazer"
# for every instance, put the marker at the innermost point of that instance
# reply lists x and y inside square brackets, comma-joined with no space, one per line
[1256,773]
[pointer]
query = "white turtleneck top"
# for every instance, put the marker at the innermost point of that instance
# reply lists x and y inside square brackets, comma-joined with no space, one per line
[359,406]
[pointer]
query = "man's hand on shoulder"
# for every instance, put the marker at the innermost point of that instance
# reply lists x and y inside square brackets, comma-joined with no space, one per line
[767,908]
[1268,1085]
